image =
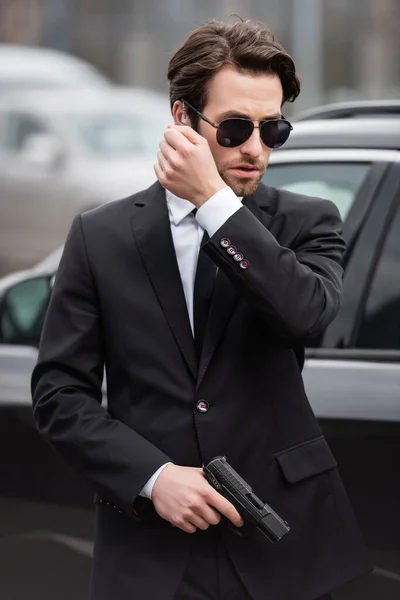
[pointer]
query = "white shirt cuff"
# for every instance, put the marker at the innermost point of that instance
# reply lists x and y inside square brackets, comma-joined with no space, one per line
[148,488]
[217,210]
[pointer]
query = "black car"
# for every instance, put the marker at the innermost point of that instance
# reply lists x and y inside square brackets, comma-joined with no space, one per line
[351,374]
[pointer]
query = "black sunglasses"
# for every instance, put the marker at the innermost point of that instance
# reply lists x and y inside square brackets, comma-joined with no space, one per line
[235,131]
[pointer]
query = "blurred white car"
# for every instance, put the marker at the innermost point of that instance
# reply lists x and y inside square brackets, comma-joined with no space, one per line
[26,67]
[62,152]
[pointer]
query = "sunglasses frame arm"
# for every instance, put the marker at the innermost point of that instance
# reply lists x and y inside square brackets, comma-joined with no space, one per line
[199,113]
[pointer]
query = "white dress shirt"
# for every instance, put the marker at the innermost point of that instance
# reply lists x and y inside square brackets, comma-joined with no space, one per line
[187,232]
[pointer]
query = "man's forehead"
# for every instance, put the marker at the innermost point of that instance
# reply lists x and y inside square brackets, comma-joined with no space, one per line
[234,93]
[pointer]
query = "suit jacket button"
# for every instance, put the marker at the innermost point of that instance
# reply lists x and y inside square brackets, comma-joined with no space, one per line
[244,264]
[231,250]
[238,257]
[225,243]
[202,406]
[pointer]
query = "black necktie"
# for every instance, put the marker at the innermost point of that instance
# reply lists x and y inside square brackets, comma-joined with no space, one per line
[202,296]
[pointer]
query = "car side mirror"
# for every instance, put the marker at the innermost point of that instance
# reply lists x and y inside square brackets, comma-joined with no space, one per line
[22,311]
[42,149]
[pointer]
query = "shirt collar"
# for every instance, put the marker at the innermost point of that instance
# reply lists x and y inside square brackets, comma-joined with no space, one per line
[178,207]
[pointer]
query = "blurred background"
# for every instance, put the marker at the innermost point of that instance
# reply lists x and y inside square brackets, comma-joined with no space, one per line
[84,95]
[344,49]
[83,107]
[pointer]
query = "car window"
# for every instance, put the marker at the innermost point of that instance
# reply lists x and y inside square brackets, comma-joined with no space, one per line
[380,328]
[18,128]
[118,134]
[338,182]
[24,310]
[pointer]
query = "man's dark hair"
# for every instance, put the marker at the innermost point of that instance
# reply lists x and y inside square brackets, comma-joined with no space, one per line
[247,46]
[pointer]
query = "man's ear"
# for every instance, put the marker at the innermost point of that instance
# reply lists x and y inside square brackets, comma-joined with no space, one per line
[179,113]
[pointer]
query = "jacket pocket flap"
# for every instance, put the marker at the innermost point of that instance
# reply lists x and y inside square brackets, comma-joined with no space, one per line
[305,460]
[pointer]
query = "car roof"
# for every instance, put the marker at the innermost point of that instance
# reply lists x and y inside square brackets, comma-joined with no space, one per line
[58,101]
[48,65]
[352,110]
[345,133]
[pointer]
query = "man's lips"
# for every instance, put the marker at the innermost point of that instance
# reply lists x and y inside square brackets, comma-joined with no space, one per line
[245,170]
[246,167]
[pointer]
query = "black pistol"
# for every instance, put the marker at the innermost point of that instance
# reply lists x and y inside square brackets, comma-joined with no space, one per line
[228,482]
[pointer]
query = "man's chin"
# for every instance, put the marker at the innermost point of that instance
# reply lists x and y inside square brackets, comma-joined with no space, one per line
[243,187]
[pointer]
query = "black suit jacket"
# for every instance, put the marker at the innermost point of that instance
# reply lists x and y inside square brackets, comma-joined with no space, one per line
[118,301]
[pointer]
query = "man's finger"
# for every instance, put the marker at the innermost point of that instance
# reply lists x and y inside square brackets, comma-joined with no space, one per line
[180,140]
[189,134]
[210,515]
[226,508]
[162,161]
[199,522]
[166,148]
[158,171]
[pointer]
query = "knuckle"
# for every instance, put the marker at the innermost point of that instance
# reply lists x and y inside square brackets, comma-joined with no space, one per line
[209,492]
[187,151]
[187,514]
[188,527]
[216,518]
[180,522]
[175,163]
[205,494]
[194,501]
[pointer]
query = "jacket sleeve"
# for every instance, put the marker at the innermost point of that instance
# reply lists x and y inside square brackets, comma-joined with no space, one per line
[296,289]
[67,388]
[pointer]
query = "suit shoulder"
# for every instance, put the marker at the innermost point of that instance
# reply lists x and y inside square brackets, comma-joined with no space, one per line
[116,210]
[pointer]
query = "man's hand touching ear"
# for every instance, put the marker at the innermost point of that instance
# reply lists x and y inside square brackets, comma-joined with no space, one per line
[186,166]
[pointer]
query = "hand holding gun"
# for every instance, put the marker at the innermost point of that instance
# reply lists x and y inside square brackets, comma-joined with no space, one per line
[228,482]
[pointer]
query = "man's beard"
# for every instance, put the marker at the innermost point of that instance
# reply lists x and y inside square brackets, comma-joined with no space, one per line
[242,187]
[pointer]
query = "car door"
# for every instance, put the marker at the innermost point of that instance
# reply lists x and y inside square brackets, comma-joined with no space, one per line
[353,382]
[46,510]
[352,373]
[356,376]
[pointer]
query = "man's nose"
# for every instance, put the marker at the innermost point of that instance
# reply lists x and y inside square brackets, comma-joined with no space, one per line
[253,147]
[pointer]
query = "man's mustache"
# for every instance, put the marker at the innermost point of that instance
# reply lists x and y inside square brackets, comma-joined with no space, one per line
[247,163]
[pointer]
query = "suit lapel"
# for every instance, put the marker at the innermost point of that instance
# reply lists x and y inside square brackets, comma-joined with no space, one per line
[152,233]
[263,205]
[222,305]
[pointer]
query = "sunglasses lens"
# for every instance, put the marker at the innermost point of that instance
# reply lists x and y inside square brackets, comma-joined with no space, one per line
[275,133]
[233,132]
